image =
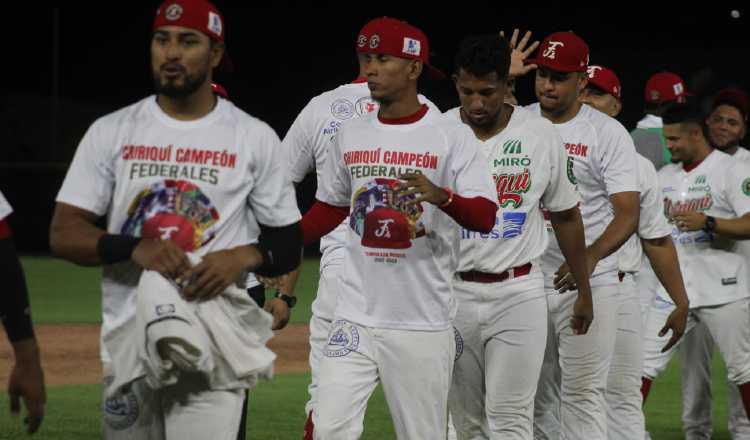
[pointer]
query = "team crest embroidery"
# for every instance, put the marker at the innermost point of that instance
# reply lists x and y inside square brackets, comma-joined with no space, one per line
[343,339]
[122,411]
[342,109]
[551,50]
[361,40]
[365,105]
[592,71]
[459,343]
[746,186]
[571,174]
[173,12]
[374,41]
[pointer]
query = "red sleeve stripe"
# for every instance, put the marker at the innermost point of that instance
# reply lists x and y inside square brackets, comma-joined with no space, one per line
[321,219]
[474,214]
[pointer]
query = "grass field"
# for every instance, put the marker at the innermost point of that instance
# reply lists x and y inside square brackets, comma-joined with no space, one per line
[63,293]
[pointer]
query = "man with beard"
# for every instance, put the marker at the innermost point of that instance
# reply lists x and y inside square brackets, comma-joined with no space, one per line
[179,175]
[726,126]
[502,306]
[405,175]
[707,199]
[570,399]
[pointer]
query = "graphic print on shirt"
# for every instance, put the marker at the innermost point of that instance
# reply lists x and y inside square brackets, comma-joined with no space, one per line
[383,219]
[174,210]
[689,202]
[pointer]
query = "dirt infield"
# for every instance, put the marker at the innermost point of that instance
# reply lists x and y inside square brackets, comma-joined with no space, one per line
[70,353]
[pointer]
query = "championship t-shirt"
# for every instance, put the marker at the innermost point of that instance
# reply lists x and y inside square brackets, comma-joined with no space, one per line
[400,257]
[205,184]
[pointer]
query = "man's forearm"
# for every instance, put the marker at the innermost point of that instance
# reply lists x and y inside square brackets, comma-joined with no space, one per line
[74,237]
[568,228]
[663,257]
[734,228]
[623,225]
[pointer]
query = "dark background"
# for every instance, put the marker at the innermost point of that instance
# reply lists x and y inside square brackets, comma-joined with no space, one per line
[67,66]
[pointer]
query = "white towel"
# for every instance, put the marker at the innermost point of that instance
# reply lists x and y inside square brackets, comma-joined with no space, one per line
[223,338]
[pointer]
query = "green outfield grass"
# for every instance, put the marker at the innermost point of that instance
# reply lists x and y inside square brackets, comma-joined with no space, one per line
[65,293]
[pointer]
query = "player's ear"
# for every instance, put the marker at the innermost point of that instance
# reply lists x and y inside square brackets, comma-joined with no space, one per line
[217,53]
[415,69]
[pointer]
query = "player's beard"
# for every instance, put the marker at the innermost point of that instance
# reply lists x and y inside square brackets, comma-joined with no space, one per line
[189,85]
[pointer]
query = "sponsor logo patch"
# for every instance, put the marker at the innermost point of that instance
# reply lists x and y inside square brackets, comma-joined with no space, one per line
[513,224]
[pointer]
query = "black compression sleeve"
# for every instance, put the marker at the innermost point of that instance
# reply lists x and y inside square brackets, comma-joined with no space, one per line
[14,299]
[281,248]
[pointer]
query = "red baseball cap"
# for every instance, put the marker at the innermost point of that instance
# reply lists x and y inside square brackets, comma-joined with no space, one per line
[199,15]
[665,87]
[219,90]
[562,52]
[733,97]
[397,38]
[386,228]
[605,79]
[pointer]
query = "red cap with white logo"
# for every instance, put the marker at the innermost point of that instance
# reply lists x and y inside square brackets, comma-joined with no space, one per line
[397,38]
[562,52]
[665,87]
[199,15]
[605,79]
[386,228]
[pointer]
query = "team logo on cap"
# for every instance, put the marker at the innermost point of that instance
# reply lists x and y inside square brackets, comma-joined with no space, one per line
[550,50]
[655,95]
[374,41]
[592,70]
[361,40]
[412,46]
[678,89]
[173,12]
[214,23]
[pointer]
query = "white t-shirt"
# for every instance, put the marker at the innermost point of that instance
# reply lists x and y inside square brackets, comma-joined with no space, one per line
[5,208]
[651,223]
[528,164]
[400,259]
[713,270]
[604,163]
[743,246]
[206,184]
[308,139]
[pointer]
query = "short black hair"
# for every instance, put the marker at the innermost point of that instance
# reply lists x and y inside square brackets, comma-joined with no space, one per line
[687,113]
[481,55]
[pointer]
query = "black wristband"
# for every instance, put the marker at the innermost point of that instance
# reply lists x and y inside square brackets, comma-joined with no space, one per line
[15,312]
[710,224]
[115,248]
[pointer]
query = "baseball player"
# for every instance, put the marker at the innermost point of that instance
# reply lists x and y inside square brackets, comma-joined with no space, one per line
[603,91]
[502,306]
[571,394]
[26,379]
[180,171]
[662,90]
[726,125]
[707,199]
[405,176]
[624,400]
[306,147]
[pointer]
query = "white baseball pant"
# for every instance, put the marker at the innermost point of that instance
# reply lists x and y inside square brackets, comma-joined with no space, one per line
[503,327]
[414,368]
[570,400]
[729,325]
[624,399]
[697,353]
[187,410]
[320,325]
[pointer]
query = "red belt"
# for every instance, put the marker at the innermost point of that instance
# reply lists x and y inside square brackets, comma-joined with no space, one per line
[474,276]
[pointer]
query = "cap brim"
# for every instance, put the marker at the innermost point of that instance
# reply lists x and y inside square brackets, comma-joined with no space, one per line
[545,62]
